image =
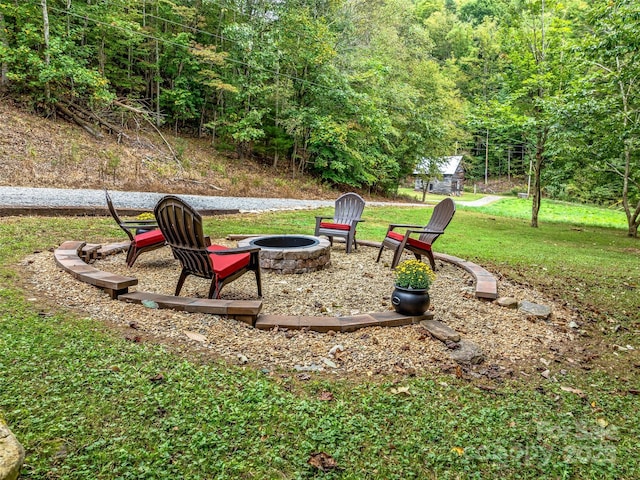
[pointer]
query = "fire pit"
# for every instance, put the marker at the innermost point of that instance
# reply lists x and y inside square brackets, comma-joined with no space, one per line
[291,253]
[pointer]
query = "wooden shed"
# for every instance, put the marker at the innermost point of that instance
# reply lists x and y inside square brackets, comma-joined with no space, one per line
[449,180]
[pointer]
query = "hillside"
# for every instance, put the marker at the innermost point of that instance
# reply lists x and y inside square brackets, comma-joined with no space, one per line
[39,152]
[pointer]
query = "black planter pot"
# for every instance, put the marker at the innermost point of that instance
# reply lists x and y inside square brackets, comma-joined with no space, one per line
[409,301]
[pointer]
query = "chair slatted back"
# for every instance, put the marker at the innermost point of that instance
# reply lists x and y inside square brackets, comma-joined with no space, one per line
[441,217]
[181,226]
[349,207]
[116,217]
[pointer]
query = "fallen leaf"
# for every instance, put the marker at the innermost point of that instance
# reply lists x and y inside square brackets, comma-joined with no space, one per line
[325,396]
[159,378]
[401,390]
[580,393]
[196,336]
[487,388]
[602,422]
[133,325]
[322,461]
[458,450]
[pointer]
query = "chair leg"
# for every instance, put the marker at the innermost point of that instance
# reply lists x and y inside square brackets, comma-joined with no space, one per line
[183,276]
[380,253]
[432,260]
[132,254]
[259,282]
[396,257]
[214,289]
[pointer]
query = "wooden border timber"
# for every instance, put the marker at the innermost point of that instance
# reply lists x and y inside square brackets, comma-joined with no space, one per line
[68,257]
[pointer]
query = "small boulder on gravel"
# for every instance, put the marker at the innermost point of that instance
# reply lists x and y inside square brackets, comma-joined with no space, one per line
[534,310]
[441,331]
[468,354]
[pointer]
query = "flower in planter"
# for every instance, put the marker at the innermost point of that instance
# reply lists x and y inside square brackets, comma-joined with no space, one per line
[414,274]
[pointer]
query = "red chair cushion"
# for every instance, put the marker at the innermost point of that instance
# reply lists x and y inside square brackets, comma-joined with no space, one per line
[412,241]
[225,265]
[335,226]
[148,238]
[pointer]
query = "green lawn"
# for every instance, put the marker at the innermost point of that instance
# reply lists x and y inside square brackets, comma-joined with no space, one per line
[88,404]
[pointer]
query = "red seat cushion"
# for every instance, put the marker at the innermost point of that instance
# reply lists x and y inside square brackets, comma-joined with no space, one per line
[225,265]
[335,226]
[412,241]
[148,238]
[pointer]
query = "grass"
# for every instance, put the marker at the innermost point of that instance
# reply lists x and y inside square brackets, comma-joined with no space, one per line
[556,212]
[86,403]
[433,198]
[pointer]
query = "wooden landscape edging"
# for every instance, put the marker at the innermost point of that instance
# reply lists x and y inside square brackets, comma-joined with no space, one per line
[73,255]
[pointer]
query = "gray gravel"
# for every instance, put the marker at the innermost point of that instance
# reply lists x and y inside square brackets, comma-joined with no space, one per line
[53,197]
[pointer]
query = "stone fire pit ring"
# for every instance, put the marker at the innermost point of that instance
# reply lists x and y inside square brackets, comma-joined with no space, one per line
[288,254]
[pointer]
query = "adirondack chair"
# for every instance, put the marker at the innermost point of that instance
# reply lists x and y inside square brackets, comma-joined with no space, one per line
[181,225]
[348,209]
[416,238]
[143,234]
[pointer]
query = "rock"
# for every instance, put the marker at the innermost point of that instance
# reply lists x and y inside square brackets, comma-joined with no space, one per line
[573,325]
[535,310]
[468,353]
[309,368]
[507,302]
[329,363]
[440,331]
[11,454]
[242,360]
[334,349]
[195,336]
[452,345]
[546,373]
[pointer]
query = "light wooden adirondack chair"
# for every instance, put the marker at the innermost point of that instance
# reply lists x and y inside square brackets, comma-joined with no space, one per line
[416,238]
[348,210]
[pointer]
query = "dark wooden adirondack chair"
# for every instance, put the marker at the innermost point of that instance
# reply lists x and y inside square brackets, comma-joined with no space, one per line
[423,237]
[143,234]
[181,225]
[348,210]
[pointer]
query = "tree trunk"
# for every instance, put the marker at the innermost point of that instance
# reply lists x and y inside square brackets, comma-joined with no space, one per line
[47,59]
[537,188]
[4,68]
[486,159]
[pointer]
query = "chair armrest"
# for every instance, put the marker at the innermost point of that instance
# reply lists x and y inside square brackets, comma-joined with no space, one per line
[403,225]
[323,218]
[392,226]
[138,225]
[141,222]
[439,232]
[231,251]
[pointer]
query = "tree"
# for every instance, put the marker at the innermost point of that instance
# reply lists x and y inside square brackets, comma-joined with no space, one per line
[535,75]
[609,97]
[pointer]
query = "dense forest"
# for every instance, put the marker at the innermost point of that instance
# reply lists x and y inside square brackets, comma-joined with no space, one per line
[353,91]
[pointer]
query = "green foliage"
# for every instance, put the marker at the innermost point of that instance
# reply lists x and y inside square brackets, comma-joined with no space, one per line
[414,274]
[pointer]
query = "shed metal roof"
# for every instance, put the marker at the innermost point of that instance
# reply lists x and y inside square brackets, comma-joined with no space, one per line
[448,167]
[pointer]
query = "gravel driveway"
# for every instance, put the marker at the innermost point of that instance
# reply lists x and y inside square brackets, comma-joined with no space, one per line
[53,197]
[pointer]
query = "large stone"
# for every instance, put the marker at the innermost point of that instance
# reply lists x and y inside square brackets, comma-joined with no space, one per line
[11,454]
[441,331]
[468,354]
[507,302]
[534,310]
